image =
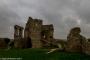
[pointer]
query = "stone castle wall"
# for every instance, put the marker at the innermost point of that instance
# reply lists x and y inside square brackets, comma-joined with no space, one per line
[36,34]
[33,31]
[18,37]
[77,42]
[47,35]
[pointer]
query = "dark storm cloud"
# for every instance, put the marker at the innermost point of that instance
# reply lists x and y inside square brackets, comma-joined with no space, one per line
[64,14]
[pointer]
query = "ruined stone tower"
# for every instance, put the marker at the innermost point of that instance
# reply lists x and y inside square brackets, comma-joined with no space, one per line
[18,37]
[33,32]
[47,35]
[18,32]
[36,34]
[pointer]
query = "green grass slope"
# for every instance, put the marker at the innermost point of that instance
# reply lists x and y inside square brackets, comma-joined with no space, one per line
[40,54]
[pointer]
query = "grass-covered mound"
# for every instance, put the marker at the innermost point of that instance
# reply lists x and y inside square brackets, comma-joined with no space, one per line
[40,54]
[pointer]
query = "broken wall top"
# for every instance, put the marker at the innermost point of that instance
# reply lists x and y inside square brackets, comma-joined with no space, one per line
[31,20]
[18,27]
[47,27]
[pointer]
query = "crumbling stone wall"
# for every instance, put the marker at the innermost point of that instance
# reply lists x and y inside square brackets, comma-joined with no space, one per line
[19,43]
[87,50]
[47,35]
[37,33]
[18,37]
[4,42]
[33,32]
[75,41]
[60,43]
[18,32]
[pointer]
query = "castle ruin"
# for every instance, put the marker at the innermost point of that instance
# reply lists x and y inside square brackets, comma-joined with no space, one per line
[35,33]
[18,36]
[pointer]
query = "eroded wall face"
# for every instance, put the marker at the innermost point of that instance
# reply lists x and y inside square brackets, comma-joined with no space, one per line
[87,45]
[34,34]
[75,41]
[47,35]
[4,42]
[33,31]
[18,32]
[18,37]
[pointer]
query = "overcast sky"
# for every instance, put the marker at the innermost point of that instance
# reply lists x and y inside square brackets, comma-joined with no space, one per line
[63,14]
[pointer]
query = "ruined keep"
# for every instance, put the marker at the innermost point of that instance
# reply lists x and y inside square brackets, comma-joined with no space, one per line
[35,32]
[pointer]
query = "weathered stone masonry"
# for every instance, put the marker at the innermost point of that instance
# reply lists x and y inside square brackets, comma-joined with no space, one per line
[33,32]
[36,34]
[18,37]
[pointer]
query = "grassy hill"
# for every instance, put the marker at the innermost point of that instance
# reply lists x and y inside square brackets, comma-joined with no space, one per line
[39,54]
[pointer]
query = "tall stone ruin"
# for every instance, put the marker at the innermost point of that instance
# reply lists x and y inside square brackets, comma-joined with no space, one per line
[33,32]
[18,32]
[39,35]
[36,34]
[47,35]
[18,36]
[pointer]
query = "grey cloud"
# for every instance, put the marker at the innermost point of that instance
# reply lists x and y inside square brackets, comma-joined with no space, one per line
[50,11]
